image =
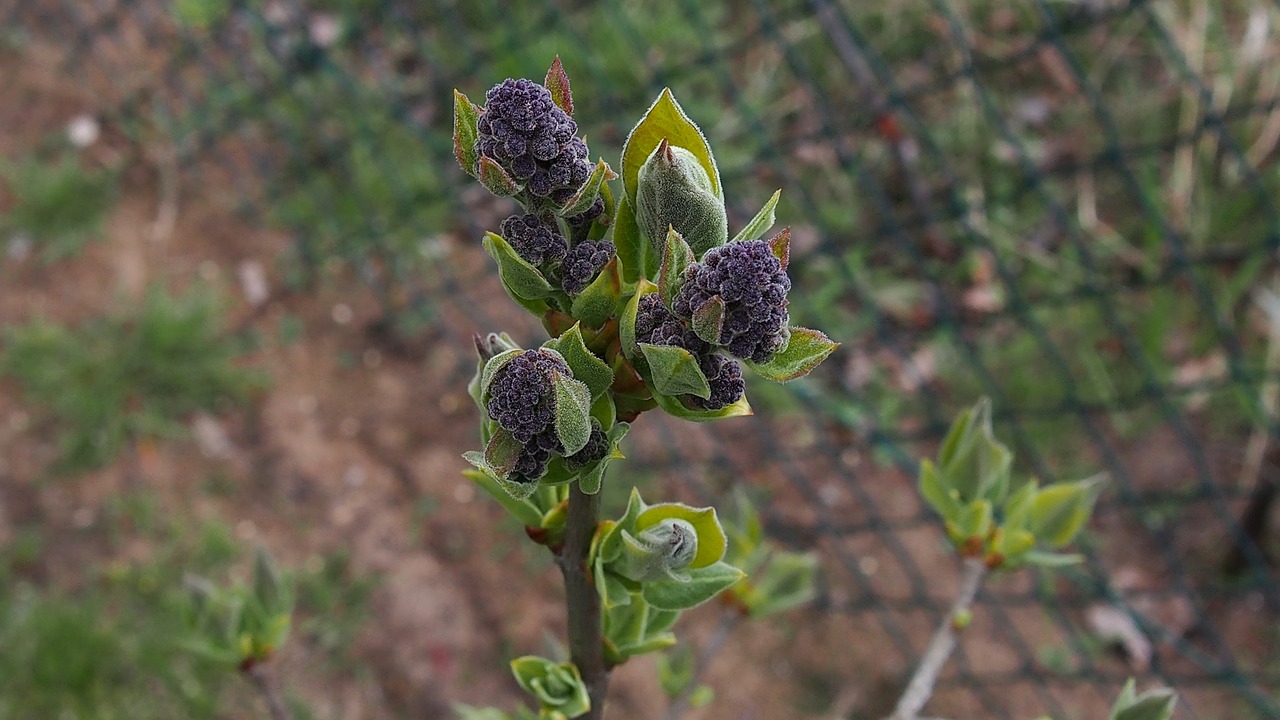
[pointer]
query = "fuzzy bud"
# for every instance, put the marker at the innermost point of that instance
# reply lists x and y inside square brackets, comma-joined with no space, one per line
[674,191]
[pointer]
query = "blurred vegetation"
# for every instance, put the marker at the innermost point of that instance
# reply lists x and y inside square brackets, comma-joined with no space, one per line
[58,204]
[137,373]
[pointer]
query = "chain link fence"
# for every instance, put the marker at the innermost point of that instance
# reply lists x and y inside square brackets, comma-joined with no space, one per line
[1070,207]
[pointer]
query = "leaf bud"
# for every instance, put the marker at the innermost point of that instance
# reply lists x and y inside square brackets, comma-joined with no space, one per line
[674,191]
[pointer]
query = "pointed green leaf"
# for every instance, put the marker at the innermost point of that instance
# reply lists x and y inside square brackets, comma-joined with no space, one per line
[614,593]
[495,179]
[518,276]
[788,581]
[518,491]
[936,493]
[1151,705]
[651,644]
[586,195]
[558,83]
[975,520]
[664,119]
[465,132]
[599,301]
[704,584]
[1128,694]
[523,510]
[676,257]
[804,351]
[761,223]
[708,320]
[586,367]
[268,587]
[573,413]
[675,371]
[1059,511]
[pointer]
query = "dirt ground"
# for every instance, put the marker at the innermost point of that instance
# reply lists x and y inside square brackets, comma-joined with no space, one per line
[356,444]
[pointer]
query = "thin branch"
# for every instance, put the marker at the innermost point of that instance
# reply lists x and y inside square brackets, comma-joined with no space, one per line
[724,628]
[261,677]
[586,632]
[940,647]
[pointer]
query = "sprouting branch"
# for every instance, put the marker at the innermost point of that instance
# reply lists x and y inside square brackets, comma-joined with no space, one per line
[586,632]
[262,679]
[940,647]
[724,628]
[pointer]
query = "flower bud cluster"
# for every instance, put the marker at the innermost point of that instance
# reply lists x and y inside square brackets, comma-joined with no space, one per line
[655,324]
[750,280]
[583,262]
[522,401]
[540,244]
[536,142]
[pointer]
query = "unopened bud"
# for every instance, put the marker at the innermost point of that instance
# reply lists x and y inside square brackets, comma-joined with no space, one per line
[675,191]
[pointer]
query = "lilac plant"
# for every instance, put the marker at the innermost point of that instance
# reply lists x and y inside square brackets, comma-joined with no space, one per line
[649,305]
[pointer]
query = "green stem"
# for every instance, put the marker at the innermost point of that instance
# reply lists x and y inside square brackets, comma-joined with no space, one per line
[586,630]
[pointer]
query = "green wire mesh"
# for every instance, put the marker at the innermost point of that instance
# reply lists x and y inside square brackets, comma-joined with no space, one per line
[1070,207]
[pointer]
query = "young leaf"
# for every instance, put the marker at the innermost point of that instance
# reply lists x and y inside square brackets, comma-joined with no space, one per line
[586,195]
[936,492]
[672,406]
[558,83]
[502,452]
[518,491]
[573,408]
[804,351]
[495,179]
[761,223]
[518,276]
[708,320]
[675,371]
[704,584]
[1059,511]
[664,119]
[585,366]
[676,256]
[627,322]
[631,247]
[598,301]
[465,132]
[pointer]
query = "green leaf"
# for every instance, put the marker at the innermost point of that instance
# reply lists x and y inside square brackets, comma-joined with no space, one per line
[664,119]
[518,491]
[627,322]
[804,351]
[704,584]
[675,371]
[491,368]
[591,370]
[708,320]
[495,179]
[614,592]
[268,587]
[761,223]
[633,250]
[672,406]
[502,452]
[788,581]
[651,643]
[676,256]
[1039,558]
[1059,511]
[975,520]
[465,132]
[523,510]
[599,301]
[558,83]
[1151,705]
[573,412]
[936,493]
[519,277]
[586,195]
[711,537]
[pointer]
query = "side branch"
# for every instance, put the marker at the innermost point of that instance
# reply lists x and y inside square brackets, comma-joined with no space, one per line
[264,681]
[586,631]
[940,647]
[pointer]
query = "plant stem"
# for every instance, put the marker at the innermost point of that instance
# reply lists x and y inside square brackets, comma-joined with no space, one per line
[728,621]
[265,682]
[940,647]
[586,632]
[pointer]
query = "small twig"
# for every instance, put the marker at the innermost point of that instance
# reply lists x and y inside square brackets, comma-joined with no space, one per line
[586,632]
[262,678]
[729,620]
[940,647]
